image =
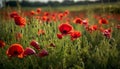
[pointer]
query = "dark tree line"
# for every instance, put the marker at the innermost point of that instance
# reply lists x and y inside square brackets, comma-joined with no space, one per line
[25,3]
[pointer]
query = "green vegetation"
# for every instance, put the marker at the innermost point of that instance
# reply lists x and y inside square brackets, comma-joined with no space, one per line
[90,51]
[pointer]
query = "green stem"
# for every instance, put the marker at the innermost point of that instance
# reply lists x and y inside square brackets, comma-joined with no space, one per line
[31,62]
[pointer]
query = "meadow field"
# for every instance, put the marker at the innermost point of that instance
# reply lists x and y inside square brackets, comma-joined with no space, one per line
[65,37]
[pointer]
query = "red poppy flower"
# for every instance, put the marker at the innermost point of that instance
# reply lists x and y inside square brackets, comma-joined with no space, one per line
[15,50]
[38,10]
[65,28]
[32,12]
[46,14]
[18,36]
[53,17]
[35,44]
[66,12]
[94,27]
[78,21]
[2,44]
[20,21]
[41,32]
[43,53]
[60,16]
[59,36]
[45,19]
[91,28]
[103,21]
[107,33]
[29,51]
[13,14]
[85,22]
[75,34]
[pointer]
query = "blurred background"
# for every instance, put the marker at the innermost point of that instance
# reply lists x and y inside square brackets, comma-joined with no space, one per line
[53,3]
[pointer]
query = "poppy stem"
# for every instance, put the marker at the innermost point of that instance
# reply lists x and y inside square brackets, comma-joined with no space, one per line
[31,62]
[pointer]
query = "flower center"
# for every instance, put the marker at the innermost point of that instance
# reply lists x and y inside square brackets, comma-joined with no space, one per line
[16,52]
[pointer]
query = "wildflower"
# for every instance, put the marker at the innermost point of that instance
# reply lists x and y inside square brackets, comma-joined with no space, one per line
[45,19]
[60,36]
[91,28]
[107,33]
[103,21]
[18,36]
[43,53]
[75,34]
[46,14]
[13,14]
[41,32]
[66,12]
[2,44]
[53,17]
[35,44]
[52,45]
[32,12]
[65,28]
[29,51]
[94,27]
[20,21]
[60,16]
[15,50]
[38,10]
[85,22]
[77,20]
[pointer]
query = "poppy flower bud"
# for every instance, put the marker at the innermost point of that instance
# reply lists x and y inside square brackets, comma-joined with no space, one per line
[18,36]
[13,14]
[52,45]
[60,36]
[29,51]
[43,53]
[35,44]
[41,32]
[2,44]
